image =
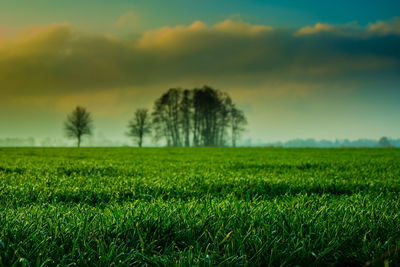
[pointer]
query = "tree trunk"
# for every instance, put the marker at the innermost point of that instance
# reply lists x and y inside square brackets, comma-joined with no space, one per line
[140,141]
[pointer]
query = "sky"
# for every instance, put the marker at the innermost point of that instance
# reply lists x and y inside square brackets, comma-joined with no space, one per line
[298,69]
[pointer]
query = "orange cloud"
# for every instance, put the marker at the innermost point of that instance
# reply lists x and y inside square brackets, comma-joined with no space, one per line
[168,37]
[36,40]
[241,28]
[171,36]
[317,28]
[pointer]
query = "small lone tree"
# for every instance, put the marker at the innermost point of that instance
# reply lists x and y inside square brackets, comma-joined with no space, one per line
[78,123]
[139,125]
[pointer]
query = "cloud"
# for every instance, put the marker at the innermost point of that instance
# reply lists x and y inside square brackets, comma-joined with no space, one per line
[385,27]
[240,27]
[350,30]
[57,59]
[378,28]
[172,38]
[184,36]
[317,28]
[60,60]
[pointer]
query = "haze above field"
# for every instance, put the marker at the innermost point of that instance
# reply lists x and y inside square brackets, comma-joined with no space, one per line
[298,70]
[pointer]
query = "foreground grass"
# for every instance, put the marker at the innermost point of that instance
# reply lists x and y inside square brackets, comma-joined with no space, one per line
[199,206]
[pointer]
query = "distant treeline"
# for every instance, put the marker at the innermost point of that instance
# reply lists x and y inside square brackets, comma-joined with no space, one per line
[18,142]
[57,142]
[383,142]
[103,142]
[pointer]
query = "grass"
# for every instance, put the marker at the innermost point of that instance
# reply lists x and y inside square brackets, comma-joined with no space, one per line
[199,206]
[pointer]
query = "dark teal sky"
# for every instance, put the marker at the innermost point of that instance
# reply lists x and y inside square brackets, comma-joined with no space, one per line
[156,13]
[299,69]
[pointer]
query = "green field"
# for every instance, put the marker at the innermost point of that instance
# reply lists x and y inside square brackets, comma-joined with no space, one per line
[199,206]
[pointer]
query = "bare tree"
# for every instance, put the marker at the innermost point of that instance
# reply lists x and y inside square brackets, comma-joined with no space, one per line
[186,111]
[207,106]
[167,117]
[238,121]
[78,124]
[139,125]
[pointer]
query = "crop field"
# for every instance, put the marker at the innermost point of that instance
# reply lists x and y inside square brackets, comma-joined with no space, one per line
[199,206]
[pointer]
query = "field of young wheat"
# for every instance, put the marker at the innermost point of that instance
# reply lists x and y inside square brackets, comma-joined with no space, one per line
[199,206]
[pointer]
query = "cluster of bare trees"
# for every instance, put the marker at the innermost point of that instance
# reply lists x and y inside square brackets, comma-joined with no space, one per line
[197,117]
[181,117]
